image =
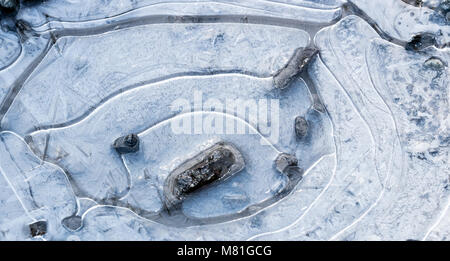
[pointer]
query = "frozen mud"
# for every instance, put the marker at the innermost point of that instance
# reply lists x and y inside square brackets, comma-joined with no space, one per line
[225,120]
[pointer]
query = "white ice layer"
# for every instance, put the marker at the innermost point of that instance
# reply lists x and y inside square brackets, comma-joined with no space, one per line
[41,188]
[17,58]
[162,151]
[402,21]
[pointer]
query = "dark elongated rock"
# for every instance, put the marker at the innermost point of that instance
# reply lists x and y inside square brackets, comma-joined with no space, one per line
[435,63]
[127,144]
[301,126]
[38,228]
[72,223]
[219,162]
[420,41]
[295,66]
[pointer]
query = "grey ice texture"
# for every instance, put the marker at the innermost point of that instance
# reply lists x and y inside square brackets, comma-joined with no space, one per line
[375,161]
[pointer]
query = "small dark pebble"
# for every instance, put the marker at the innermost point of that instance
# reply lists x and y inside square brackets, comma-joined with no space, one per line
[420,41]
[301,126]
[127,144]
[38,228]
[72,223]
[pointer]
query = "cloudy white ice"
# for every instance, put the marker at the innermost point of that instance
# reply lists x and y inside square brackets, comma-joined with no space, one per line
[76,75]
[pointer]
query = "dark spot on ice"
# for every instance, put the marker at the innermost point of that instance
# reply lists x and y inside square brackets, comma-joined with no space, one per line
[301,126]
[288,164]
[433,152]
[435,63]
[72,223]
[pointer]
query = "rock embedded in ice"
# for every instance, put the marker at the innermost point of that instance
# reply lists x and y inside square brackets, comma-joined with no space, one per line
[9,4]
[72,223]
[38,228]
[58,12]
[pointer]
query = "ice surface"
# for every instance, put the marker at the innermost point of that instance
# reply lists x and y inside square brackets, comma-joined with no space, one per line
[80,73]
[257,182]
[42,188]
[75,77]
[402,21]
[17,59]
[10,49]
